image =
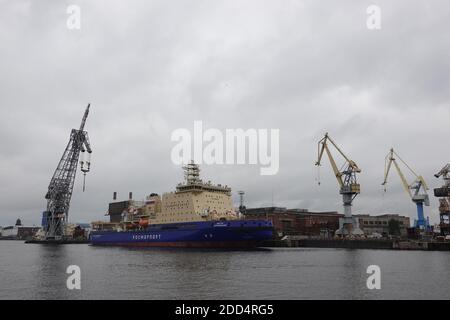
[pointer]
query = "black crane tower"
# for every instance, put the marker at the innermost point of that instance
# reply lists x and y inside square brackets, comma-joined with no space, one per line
[61,185]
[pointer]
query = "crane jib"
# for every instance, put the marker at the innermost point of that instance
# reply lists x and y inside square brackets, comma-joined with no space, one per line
[61,185]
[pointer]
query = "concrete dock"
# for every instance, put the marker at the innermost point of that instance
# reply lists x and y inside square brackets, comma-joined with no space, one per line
[361,244]
[57,242]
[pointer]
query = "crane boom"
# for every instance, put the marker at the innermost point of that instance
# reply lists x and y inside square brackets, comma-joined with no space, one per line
[402,177]
[444,172]
[418,183]
[60,188]
[351,162]
[336,171]
[323,146]
[83,121]
[388,164]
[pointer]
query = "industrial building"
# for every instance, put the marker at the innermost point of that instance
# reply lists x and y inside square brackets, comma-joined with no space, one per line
[297,221]
[382,224]
[18,231]
[117,210]
[303,222]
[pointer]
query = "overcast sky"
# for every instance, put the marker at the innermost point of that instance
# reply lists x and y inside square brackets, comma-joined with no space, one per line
[150,67]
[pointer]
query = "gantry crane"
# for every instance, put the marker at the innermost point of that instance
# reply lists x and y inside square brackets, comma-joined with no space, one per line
[413,189]
[443,193]
[349,187]
[61,185]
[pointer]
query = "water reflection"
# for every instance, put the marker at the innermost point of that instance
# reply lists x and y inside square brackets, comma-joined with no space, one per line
[39,272]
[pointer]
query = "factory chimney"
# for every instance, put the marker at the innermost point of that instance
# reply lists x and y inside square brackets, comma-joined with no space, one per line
[115,195]
[130,196]
[242,208]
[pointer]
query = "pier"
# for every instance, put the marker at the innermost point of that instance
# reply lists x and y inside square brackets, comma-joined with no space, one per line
[360,244]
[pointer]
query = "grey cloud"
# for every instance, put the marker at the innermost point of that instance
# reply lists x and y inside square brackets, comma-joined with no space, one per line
[149,67]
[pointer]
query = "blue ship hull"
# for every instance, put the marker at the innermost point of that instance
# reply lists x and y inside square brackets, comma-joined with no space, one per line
[212,234]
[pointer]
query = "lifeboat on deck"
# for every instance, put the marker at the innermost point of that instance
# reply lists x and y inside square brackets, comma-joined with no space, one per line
[143,223]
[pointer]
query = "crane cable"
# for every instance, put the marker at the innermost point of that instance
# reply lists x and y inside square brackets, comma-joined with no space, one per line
[84,181]
[318,175]
[407,166]
[318,171]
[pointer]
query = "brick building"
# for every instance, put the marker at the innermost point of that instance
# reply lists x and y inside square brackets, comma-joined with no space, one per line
[297,221]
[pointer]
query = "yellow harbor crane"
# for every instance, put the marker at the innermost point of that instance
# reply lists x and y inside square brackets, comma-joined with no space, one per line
[349,187]
[412,189]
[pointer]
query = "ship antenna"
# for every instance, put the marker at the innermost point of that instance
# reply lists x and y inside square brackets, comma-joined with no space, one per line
[192,173]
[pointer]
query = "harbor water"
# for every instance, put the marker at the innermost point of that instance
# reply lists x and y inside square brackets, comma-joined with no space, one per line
[32,271]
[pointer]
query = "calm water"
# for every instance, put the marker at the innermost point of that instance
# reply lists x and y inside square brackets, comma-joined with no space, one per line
[30,271]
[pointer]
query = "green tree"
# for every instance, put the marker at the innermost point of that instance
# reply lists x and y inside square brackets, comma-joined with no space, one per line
[394,227]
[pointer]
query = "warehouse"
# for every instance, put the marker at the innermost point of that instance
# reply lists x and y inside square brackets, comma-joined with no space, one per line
[297,221]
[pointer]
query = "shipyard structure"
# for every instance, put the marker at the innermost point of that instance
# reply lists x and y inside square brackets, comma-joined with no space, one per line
[199,213]
[305,223]
[196,214]
[18,231]
[193,200]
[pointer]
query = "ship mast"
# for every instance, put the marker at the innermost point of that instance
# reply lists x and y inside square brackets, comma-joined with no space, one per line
[192,173]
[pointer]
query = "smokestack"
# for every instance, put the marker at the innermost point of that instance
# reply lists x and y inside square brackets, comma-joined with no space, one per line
[130,196]
[242,208]
[115,195]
